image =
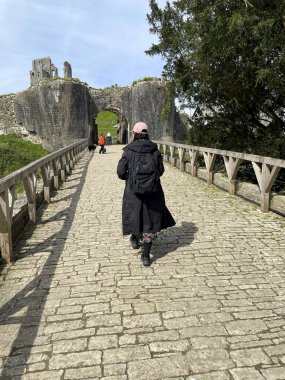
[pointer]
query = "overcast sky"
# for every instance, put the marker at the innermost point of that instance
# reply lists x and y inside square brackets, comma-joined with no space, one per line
[103,40]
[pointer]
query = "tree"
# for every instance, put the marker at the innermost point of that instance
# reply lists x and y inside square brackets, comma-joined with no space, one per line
[228,58]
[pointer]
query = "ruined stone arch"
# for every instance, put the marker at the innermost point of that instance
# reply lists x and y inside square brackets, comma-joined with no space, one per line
[122,125]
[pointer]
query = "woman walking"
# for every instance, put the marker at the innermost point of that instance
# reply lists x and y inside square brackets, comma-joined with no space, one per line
[144,212]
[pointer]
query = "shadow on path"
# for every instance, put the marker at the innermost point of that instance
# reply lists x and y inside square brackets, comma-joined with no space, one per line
[172,239]
[30,302]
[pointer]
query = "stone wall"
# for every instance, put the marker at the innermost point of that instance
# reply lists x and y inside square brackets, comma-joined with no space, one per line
[143,101]
[9,123]
[7,115]
[60,112]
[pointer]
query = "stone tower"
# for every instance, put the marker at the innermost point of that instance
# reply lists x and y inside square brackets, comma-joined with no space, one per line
[42,68]
[67,70]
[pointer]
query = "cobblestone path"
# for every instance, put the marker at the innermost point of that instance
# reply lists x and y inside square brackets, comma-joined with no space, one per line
[77,304]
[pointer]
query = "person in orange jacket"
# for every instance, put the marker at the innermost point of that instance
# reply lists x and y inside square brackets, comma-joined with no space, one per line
[102,143]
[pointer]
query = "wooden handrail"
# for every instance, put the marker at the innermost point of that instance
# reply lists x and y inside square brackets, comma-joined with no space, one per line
[266,169]
[54,167]
[242,156]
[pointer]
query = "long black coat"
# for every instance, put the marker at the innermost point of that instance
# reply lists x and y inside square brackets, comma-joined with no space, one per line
[143,213]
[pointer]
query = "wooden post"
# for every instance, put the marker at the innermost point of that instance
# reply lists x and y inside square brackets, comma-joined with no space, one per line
[164,146]
[71,162]
[210,159]
[232,165]
[74,156]
[56,169]
[30,188]
[194,157]
[181,152]
[45,170]
[172,155]
[7,199]
[266,175]
[81,151]
[62,168]
[67,163]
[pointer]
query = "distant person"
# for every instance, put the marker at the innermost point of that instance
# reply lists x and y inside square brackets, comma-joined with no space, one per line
[109,138]
[102,143]
[144,212]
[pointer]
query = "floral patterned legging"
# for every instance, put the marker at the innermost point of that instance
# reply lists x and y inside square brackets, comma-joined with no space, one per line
[146,237]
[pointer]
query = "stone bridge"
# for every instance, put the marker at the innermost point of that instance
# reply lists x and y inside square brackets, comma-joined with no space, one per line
[77,303]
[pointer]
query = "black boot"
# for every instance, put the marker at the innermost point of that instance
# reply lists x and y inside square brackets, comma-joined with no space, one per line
[145,254]
[134,242]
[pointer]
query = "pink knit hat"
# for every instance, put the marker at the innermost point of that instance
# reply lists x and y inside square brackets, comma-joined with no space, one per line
[140,127]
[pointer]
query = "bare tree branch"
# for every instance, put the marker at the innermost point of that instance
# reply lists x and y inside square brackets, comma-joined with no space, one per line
[247,3]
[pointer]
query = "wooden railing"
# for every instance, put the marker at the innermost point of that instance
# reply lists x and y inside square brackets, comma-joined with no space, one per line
[266,169]
[53,169]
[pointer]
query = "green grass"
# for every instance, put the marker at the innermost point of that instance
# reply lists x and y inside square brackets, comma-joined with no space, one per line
[16,153]
[145,79]
[105,121]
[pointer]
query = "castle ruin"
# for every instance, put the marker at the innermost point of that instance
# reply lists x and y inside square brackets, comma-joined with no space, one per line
[57,112]
[42,68]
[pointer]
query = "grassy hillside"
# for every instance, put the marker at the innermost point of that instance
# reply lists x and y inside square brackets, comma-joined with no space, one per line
[105,121]
[16,153]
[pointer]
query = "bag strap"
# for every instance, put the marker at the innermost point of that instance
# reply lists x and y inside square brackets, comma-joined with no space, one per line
[155,166]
